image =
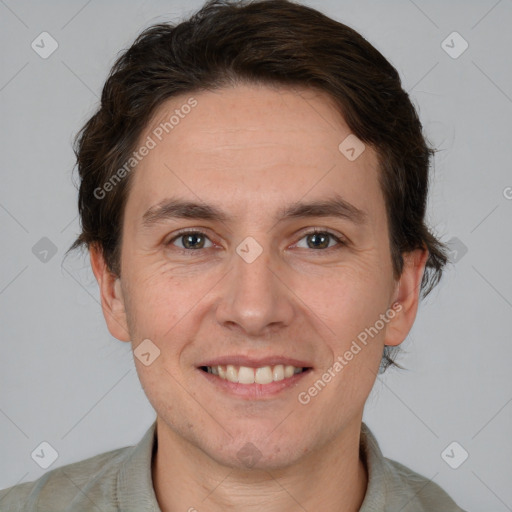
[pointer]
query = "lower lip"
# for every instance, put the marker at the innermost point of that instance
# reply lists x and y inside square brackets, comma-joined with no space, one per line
[254,391]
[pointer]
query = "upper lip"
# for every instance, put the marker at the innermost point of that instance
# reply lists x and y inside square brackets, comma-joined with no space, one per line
[255,362]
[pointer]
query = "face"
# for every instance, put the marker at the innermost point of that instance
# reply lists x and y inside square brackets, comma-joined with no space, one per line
[242,279]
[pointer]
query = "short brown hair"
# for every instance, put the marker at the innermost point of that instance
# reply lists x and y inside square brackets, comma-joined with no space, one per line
[273,42]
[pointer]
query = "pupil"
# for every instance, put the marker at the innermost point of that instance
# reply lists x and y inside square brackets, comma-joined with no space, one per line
[322,236]
[191,237]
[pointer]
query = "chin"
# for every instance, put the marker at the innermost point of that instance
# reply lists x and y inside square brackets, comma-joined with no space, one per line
[249,454]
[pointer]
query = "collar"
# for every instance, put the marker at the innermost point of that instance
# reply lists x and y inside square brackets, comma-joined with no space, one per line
[134,481]
[374,461]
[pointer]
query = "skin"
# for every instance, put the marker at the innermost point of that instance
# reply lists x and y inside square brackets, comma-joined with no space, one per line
[251,149]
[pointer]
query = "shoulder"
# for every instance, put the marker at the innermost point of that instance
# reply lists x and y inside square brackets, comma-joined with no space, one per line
[82,485]
[420,493]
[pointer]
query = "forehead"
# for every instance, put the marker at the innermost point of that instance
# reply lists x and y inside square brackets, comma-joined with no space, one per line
[258,144]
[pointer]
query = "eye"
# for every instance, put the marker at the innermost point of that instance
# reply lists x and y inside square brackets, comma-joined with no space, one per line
[196,240]
[318,239]
[191,240]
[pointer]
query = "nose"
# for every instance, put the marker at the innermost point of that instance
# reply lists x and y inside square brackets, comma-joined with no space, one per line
[255,298]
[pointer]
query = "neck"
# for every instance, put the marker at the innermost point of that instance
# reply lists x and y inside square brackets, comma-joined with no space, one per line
[332,479]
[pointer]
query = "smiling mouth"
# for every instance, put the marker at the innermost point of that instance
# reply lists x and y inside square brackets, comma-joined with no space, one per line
[250,375]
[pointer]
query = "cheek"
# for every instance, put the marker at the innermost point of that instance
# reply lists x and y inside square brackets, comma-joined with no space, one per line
[347,298]
[156,296]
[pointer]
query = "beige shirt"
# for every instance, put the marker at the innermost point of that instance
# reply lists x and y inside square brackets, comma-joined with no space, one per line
[120,480]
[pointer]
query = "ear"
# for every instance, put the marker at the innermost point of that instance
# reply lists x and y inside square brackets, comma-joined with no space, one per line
[406,297]
[112,300]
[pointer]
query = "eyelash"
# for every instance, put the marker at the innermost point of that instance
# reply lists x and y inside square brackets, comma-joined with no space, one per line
[340,241]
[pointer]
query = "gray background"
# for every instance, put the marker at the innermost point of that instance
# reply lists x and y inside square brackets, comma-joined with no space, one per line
[65,380]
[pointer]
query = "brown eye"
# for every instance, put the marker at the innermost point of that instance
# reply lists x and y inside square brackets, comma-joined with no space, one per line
[318,240]
[321,240]
[190,240]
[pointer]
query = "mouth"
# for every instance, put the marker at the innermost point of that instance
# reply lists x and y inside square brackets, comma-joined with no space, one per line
[253,379]
[251,375]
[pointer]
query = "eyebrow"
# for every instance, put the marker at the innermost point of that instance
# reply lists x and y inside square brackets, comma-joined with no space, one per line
[177,208]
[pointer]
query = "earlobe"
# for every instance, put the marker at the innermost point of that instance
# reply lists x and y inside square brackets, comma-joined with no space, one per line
[112,299]
[407,294]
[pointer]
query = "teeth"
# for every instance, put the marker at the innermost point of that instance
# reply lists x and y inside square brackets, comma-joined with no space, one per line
[247,375]
[278,373]
[231,373]
[263,375]
[288,371]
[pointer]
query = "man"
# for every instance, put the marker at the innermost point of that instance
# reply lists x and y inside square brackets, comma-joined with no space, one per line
[253,194]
